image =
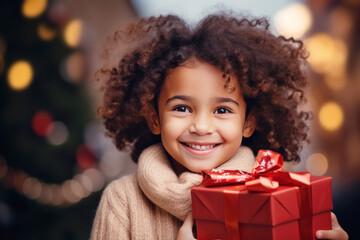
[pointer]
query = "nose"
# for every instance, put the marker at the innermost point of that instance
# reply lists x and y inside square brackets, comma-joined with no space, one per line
[201,124]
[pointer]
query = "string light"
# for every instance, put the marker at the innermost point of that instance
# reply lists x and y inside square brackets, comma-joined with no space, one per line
[69,192]
[20,75]
[293,21]
[331,116]
[33,8]
[317,164]
[73,32]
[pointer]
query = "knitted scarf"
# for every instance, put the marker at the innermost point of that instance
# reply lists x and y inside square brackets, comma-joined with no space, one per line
[171,192]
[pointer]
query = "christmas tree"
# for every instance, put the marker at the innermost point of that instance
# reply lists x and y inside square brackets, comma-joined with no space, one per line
[50,175]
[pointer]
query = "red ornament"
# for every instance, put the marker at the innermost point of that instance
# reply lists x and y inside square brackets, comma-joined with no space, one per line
[85,157]
[42,123]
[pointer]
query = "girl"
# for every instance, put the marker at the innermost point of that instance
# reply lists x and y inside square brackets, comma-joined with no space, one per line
[182,98]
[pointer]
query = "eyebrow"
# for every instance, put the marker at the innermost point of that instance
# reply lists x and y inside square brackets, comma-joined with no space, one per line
[181,97]
[187,98]
[222,100]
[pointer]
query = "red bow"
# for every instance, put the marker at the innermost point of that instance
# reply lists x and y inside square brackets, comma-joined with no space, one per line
[265,176]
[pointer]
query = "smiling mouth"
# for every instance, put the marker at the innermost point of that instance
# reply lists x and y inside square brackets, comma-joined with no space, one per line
[200,147]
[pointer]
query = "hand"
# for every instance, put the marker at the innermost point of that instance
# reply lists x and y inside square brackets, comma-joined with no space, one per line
[185,231]
[336,233]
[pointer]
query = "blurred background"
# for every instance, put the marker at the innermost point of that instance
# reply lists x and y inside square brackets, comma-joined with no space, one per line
[54,158]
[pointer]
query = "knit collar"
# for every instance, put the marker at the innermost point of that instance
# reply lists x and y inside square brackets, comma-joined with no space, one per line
[170,192]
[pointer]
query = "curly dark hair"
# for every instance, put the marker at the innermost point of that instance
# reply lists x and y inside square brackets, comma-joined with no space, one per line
[268,69]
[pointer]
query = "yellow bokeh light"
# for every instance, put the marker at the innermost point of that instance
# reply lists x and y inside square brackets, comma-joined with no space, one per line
[20,75]
[33,8]
[46,33]
[293,21]
[317,164]
[73,32]
[327,55]
[331,116]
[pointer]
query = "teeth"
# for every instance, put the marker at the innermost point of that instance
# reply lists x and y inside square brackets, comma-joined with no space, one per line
[200,147]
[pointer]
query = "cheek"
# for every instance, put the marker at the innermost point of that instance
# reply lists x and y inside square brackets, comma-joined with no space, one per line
[171,128]
[232,130]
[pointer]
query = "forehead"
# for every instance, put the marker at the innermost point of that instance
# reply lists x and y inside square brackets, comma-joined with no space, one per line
[196,76]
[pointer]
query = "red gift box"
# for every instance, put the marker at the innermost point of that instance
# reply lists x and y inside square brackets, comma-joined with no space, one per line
[288,212]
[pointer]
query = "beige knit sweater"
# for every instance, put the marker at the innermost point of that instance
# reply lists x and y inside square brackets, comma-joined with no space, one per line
[152,203]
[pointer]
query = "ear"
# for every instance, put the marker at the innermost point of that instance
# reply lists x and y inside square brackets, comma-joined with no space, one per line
[250,125]
[153,123]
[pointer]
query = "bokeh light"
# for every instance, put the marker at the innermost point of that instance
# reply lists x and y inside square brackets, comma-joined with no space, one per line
[77,189]
[97,178]
[94,135]
[32,188]
[86,184]
[74,67]
[331,116]
[45,32]
[42,123]
[112,163]
[73,33]
[20,75]
[327,55]
[59,133]
[85,157]
[67,189]
[293,21]
[33,8]
[317,164]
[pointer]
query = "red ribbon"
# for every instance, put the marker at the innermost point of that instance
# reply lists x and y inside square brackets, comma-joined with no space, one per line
[265,176]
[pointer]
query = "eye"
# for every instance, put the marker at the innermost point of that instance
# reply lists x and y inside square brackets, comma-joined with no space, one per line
[181,109]
[222,110]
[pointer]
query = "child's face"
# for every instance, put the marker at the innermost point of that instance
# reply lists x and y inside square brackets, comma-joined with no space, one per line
[201,123]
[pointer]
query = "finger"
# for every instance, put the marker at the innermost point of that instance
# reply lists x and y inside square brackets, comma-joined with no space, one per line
[334,221]
[331,234]
[188,220]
